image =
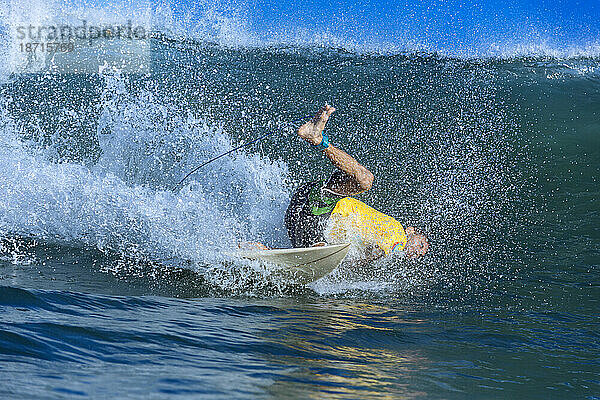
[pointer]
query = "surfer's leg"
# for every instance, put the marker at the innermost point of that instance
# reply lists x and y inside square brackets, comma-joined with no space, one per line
[357,178]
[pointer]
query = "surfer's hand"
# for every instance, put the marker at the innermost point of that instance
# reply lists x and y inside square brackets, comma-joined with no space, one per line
[252,246]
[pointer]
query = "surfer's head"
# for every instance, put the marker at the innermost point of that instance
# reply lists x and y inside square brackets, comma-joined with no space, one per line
[417,244]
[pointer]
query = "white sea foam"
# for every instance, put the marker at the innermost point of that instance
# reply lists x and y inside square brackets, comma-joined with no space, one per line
[123,202]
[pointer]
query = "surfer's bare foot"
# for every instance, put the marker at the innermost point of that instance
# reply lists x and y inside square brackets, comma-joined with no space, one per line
[312,131]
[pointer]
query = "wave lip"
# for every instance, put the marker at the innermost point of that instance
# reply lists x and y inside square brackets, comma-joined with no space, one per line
[466,31]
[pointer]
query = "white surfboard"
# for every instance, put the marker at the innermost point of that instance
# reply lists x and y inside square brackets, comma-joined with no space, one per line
[306,264]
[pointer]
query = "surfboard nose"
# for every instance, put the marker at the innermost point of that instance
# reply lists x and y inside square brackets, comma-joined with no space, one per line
[305,264]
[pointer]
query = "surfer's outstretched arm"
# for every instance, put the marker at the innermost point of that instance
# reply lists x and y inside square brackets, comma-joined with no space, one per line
[356,178]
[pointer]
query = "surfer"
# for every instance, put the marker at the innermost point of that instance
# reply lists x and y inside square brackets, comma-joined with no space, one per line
[324,212]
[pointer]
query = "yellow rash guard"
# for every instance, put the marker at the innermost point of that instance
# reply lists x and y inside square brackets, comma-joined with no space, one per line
[352,218]
[316,214]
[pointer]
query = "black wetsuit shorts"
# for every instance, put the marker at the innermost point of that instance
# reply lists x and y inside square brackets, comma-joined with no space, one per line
[307,215]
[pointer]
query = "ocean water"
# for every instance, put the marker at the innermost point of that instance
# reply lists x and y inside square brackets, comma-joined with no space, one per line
[482,132]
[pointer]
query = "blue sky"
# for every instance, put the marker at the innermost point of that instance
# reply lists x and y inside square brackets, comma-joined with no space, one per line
[449,26]
[442,24]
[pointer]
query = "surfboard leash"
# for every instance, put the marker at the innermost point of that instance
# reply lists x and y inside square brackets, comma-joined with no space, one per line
[232,150]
